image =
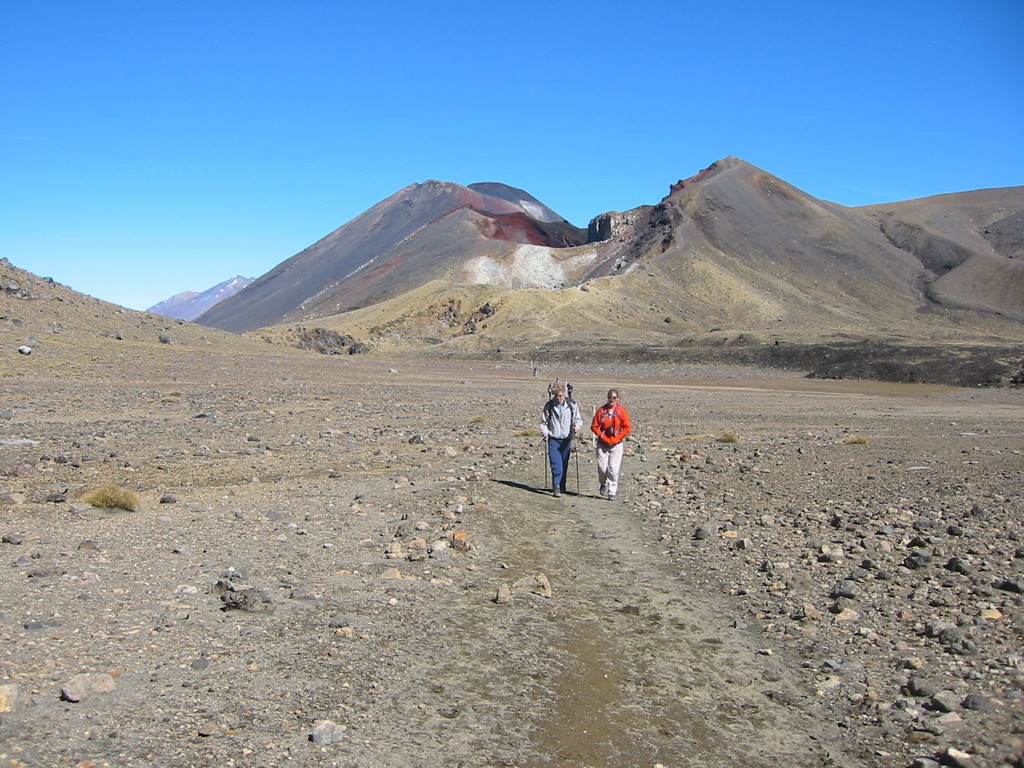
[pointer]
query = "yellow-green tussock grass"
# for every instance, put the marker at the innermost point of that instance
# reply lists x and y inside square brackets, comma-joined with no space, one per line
[478,420]
[728,437]
[531,432]
[112,496]
[854,441]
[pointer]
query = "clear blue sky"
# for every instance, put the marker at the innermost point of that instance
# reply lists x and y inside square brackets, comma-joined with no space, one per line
[148,148]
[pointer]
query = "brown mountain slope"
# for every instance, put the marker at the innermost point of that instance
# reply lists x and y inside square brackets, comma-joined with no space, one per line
[971,246]
[787,243]
[844,263]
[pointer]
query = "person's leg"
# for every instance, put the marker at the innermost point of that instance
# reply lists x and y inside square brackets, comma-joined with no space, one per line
[602,466]
[564,450]
[614,464]
[557,465]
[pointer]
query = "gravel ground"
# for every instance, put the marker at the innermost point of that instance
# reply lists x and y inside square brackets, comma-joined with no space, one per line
[344,563]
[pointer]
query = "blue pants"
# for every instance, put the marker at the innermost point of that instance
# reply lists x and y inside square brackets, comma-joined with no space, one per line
[558,455]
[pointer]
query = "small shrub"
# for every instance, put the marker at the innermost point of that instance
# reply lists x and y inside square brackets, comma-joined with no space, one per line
[478,420]
[854,441]
[112,496]
[531,432]
[728,437]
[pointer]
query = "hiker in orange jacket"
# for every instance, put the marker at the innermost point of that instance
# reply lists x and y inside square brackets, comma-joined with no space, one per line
[611,424]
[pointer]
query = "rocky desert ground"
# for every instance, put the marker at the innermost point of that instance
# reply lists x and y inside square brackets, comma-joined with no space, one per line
[345,562]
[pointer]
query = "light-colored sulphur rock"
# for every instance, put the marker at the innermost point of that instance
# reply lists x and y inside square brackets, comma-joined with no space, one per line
[8,697]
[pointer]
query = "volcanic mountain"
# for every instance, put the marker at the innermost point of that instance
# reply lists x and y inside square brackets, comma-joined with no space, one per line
[773,249]
[734,263]
[426,231]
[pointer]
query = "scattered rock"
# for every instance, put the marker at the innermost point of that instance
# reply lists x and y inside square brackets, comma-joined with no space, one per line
[326,732]
[922,686]
[81,686]
[537,585]
[251,600]
[956,758]
[977,702]
[945,701]
[1010,585]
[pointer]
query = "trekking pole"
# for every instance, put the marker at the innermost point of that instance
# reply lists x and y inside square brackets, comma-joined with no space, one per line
[576,450]
[544,460]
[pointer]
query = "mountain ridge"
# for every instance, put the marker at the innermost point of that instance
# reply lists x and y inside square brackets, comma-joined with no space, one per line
[189,305]
[732,263]
[782,243]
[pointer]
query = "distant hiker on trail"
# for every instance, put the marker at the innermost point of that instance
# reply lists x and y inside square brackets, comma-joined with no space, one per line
[611,424]
[560,422]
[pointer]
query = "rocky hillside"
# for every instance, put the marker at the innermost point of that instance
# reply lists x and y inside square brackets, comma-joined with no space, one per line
[46,327]
[970,246]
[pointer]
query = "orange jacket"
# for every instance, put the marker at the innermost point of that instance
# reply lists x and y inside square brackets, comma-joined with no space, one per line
[611,425]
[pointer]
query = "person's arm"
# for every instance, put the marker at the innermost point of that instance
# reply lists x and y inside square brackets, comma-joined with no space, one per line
[627,425]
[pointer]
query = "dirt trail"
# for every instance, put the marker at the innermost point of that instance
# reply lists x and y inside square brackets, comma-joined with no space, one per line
[650,668]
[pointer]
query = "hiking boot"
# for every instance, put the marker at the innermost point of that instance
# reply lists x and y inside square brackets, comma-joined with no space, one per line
[611,497]
[604,490]
[556,493]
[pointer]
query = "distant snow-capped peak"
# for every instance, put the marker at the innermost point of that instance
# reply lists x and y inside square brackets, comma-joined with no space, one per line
[190,305]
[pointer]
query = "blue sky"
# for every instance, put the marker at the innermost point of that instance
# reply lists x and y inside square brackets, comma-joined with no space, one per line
[149,148]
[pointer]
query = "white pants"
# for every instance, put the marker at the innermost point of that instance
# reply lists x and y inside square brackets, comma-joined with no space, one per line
[609,459]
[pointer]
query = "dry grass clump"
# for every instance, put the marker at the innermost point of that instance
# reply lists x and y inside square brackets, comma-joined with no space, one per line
[530,432]
[478,420]
[854,441]
[112,496]
[728,437]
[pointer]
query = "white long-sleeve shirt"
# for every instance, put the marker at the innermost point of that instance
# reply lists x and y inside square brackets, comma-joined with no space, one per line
[558,419]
